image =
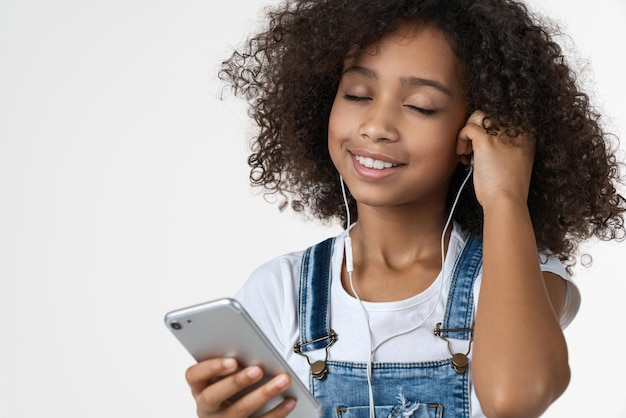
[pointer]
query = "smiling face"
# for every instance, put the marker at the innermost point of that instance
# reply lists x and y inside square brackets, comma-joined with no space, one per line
[394,122]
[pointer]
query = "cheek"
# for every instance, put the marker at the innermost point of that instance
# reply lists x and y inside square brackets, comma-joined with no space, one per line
[335,116]
[336,129]
[439,145]
[448,133]
[334,150]
[440,136]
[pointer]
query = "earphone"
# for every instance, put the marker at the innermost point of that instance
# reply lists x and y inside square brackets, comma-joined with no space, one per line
[350,268]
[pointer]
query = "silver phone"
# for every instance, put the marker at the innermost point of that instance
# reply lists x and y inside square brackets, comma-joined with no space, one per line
[222,328]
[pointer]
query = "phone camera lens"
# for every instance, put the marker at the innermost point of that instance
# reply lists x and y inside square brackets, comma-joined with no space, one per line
[176,325]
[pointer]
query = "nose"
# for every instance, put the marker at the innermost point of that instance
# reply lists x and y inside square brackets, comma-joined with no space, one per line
[379,124]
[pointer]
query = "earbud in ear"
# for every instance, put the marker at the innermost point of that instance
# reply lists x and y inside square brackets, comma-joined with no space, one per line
[467,160]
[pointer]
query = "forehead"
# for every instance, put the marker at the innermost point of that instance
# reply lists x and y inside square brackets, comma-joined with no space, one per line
[411,51]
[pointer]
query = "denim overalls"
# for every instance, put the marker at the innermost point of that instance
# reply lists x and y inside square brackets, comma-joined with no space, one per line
[418,390]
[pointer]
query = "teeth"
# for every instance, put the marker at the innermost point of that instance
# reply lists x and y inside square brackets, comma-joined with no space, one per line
[375,164]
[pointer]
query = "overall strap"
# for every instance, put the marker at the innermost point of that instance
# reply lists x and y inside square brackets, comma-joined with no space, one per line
[313,300]
[314,294]
[459,318]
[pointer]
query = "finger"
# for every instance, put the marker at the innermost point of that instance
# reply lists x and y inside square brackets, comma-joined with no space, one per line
[215,396]
[200,375]
[472,130]
[282,410]
[254,400]
[476,118]
[480,119]
[466,138]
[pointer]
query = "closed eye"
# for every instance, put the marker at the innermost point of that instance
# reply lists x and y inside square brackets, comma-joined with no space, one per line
[353,98]
[427,112]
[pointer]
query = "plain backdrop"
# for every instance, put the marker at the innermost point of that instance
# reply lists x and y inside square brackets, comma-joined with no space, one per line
[124,194]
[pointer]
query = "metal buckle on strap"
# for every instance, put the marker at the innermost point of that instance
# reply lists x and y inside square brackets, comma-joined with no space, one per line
[319,370]
[439,331]
[460,361]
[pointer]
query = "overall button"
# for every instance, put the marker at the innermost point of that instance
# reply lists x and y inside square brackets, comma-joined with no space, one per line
[319,369]
[460,362]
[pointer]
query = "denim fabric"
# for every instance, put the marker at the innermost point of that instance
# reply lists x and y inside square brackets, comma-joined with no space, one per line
[417,390]
[460,305]
[313,315]
[400,390]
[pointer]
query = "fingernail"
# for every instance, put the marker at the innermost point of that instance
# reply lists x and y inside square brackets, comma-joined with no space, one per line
[289,404]
[229,363]
[281,382]
[253,372]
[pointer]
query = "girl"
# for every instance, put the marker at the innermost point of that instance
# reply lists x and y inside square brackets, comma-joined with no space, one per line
[452,142]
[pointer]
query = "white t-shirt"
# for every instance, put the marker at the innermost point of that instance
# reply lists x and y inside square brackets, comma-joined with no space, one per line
[271,297]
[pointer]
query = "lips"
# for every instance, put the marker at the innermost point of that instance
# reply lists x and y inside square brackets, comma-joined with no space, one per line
[374,163]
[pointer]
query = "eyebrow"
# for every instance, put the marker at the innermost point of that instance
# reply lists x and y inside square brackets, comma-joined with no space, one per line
[408,81]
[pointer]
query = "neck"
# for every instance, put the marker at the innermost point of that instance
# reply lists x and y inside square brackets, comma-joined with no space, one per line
[395,256]
[396,236]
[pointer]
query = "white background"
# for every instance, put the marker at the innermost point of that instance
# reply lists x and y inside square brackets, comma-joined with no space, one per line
[124,194]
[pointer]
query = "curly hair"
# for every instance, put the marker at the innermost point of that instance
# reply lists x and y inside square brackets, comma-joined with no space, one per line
[513,71]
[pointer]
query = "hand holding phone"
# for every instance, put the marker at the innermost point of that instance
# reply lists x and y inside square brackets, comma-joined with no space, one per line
[219,330]
[221,389]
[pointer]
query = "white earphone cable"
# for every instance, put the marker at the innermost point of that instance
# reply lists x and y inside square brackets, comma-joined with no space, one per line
[350,268]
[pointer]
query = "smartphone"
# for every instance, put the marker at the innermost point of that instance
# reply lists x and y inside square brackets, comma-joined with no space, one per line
[222,328]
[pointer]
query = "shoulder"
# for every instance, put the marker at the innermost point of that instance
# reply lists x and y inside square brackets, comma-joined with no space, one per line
[548,263]
[278,276]
[272,281]
[273,284]
[570,301]
[270,294]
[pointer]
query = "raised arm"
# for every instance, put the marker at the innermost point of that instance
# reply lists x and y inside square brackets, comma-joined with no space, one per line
[520,361]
